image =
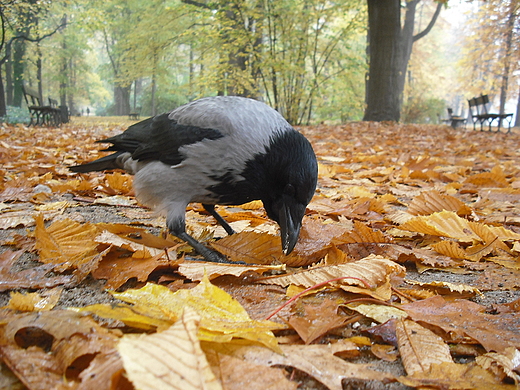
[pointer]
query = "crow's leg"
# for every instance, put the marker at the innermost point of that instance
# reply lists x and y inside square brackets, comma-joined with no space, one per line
[211,209]
[208,254]
[178,228]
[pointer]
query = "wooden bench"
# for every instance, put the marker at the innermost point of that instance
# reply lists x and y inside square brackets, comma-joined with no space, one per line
[482,115]
[135,114]
[454,120]
[41,115]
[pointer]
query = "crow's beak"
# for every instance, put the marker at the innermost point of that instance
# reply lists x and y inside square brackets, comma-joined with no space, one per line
[291,215]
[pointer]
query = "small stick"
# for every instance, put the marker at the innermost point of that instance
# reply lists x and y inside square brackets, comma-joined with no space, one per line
[312,288]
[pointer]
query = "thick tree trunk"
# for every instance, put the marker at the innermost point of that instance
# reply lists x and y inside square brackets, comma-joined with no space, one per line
[390,48]
[382,94]
[121,100]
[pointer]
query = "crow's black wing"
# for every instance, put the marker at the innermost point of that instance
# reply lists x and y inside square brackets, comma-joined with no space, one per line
[166,136]
[158,138]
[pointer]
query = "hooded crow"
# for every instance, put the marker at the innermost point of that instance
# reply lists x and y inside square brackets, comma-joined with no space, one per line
[225,150]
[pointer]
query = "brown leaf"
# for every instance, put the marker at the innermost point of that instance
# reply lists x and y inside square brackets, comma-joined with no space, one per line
[29,278]
[117,267]
[237,374]
[420,347]
[429,202]
[317,361]
[494,332]
[372,270]
[250,247]
[317,321]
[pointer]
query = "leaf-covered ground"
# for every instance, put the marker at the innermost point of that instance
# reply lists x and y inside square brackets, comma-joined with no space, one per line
[409,260]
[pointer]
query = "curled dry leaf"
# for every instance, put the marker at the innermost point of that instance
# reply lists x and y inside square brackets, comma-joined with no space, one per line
[43,348]
[429,202]
[117,269]
[169,360]
[115,240]
[196,270]
[373,270]
[505,363]
[443,288]
[449,224]
[360,234]
[449,248]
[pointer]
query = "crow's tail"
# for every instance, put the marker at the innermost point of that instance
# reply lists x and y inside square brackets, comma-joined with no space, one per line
[101,164]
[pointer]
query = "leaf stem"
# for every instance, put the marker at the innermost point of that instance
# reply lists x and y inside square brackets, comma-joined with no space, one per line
[312,288]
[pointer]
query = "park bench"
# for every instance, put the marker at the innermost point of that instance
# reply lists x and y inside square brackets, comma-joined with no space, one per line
[41,115]
[454,120]
[135,114]
[479,104]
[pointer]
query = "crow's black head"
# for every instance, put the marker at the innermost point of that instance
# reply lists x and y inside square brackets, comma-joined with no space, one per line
[291,174]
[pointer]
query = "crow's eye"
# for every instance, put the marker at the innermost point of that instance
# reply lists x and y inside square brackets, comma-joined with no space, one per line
[289,190]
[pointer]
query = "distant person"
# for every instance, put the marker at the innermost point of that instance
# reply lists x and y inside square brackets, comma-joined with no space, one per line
[88,111]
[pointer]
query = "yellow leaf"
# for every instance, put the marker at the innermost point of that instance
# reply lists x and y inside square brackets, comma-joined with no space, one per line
[444,223]
[379,313]
[35,301]
[222,317]
[65,243]
[128,315]
[170,360]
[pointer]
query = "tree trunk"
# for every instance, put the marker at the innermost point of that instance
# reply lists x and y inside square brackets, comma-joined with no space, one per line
[384,28]
[3,107]
[9,81]
[39,77]
[64,69]
[121,100]
[517,119]
[389,51]
[18,68]
[507,60]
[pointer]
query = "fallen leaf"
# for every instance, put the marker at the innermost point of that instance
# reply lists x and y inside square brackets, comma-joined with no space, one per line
[65,243]
[317,361]
[34,301]
[420,347]
[171,359]
[494,332]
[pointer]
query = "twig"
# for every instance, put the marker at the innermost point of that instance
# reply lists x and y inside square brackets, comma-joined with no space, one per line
[314,287]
